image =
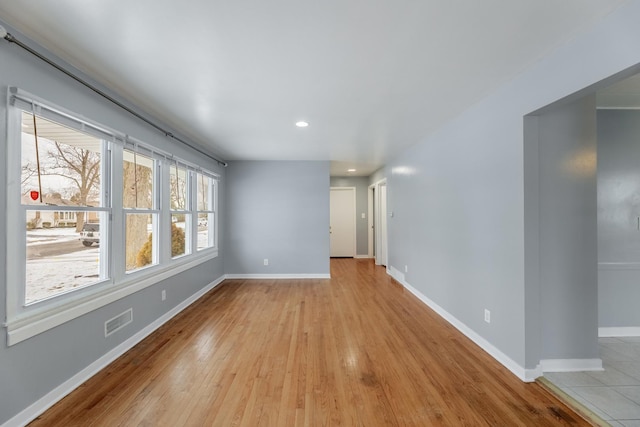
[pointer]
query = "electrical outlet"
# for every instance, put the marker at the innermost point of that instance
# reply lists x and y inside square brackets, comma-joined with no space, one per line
[164,295]
[266,261]
[406,268]
[487,316]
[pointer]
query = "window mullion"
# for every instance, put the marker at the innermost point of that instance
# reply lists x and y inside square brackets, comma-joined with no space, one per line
[164,204]
[117,229]
[193,208]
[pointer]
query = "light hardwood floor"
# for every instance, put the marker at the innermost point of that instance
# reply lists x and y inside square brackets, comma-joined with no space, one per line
[356,350]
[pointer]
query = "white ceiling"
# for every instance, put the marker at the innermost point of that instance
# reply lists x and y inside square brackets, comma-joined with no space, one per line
[370,76]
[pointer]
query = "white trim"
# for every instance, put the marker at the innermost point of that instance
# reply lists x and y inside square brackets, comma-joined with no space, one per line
[370,229]
[362,256]
[526,375]
[35,409]
[619,331]
[530,375]
[23,328]
[278,276]
[378,223]
[571,365]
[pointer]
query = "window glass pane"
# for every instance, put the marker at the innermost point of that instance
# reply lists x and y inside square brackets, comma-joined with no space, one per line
[138,180]
[178,235]
[139,242]
[203,183]
[205,230]
[178,188]
[59,259]
[70,165]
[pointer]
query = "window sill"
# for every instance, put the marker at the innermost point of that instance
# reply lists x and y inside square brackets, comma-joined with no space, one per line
[47,317]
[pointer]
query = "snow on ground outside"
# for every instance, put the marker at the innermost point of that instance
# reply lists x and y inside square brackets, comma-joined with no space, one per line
[53,275]
[50,235]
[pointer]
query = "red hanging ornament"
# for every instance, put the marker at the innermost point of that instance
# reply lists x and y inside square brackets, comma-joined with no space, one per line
[34,195]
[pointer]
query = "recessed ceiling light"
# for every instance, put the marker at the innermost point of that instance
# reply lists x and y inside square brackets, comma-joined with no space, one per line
[351,170]
[302,124]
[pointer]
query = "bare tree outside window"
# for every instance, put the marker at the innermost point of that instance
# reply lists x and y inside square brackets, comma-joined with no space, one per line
[70,163]
[80,166]
[60,169]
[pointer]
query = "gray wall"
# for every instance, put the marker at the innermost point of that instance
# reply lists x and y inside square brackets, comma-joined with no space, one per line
[618,210]
[458,195]
[361,183]
[277,210]
[568,231]
[32,368]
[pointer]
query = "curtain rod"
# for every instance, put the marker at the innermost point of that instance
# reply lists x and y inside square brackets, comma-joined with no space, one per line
[11,39]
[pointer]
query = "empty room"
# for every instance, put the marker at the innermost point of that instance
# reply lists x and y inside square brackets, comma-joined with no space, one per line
[351,213]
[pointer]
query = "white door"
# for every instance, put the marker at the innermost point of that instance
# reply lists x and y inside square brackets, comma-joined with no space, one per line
[342,222]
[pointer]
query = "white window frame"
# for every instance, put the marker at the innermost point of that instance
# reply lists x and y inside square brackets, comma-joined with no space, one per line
[212,197]
[186,211]
[23,322]
[155,211]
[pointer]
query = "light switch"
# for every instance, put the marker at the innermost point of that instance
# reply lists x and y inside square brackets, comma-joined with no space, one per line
[363,216]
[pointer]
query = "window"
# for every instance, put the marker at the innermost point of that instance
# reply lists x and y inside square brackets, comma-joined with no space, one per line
[96,216]
[181,217]
[140,201]
[60,167]
[205,189]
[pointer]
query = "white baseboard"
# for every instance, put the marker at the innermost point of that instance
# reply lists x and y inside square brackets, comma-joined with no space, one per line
[362,256]
[277,276]
[571,365]
[44,403]
[527,375]
[621,331]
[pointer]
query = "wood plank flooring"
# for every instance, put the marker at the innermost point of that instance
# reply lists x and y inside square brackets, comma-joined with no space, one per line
[356,350]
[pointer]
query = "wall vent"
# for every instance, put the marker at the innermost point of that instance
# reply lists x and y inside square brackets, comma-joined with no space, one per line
[118,322]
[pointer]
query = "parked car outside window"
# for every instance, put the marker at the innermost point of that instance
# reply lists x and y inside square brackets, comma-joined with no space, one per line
[90,234]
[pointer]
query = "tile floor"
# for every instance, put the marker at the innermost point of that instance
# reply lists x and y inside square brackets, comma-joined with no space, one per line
[612,394]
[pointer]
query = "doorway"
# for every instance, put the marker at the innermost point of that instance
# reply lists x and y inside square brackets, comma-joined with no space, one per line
[381,236]
[342,222]
[378,222]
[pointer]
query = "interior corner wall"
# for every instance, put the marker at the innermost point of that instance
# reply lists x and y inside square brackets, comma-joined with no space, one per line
[618,212]
[277,210]
[361,185]
[33,368]
[568,254]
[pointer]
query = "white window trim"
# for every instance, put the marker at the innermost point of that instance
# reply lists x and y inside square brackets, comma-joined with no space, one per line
[23,321]
[188,214]
[213,197]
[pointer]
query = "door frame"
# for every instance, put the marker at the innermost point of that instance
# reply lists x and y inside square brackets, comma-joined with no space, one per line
[370,221]
[355,223]
[381,241]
